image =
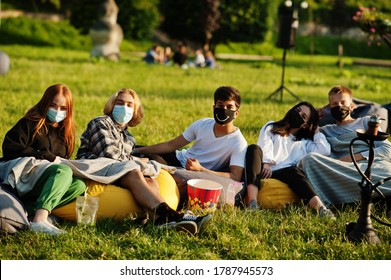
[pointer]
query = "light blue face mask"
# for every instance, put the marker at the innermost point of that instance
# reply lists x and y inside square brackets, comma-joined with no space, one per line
[56,116]
[122,114]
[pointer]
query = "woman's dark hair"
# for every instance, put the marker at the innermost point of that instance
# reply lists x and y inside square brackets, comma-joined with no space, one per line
[283,127]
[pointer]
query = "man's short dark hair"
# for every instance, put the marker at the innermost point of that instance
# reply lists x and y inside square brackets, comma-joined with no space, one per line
[225,93]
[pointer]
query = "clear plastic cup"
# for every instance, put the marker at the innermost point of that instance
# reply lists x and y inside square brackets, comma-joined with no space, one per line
[228,195]
[86,209]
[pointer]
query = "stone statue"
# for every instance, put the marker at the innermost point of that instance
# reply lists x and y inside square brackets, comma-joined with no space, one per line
[106,34]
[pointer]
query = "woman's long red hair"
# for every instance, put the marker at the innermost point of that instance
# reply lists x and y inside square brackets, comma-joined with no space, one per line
[68,125]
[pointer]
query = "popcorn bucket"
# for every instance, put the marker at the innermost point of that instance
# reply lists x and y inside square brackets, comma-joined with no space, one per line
[203,194]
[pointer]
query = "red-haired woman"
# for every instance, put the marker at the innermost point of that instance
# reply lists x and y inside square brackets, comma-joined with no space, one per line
[30,149]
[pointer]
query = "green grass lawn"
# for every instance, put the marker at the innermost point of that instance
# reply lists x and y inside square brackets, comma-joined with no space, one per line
[173,98]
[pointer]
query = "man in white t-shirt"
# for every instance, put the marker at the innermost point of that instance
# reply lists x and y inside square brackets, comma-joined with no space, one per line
[219,147]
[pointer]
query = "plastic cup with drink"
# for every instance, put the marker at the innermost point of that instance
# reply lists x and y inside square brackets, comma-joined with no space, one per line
[86,209]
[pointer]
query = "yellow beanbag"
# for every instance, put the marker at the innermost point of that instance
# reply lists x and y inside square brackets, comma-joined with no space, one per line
[275,194]
[118,203]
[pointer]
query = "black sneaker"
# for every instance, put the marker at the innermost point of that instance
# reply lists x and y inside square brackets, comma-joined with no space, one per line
[141,220]
[181,225]
[201,221]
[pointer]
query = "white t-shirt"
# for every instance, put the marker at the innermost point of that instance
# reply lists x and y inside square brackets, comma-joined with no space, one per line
[340,135]
[214,153]
[283,151]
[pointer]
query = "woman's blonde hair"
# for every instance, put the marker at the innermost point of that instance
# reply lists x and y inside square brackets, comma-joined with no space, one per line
[138,113]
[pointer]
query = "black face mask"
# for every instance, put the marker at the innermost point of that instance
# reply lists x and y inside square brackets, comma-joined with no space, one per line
[295,119]
[223,116]
[340,113]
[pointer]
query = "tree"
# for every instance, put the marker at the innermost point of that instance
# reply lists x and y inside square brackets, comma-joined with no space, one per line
[200,21]
[138,18]
[184,20]
[210,20]
[243,20]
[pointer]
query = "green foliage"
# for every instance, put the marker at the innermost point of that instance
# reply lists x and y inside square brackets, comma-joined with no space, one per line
[265,48]
[27,31]
[84,14]
[182,19]
[381,5]
[36,32]
[377,25]
[328,45]
[240,21]
[138,18]
[244,21]
[338,13]
[33,5]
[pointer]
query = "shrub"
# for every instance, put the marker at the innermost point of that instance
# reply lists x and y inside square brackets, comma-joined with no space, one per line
[138,18]
[84,14]
[240,20]
[328,45]
[27,31]
[244,20]
[377,25]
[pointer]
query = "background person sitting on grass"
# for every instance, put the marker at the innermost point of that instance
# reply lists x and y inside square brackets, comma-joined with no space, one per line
[154,55]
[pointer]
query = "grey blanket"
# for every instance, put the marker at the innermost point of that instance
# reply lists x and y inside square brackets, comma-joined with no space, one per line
[23,173]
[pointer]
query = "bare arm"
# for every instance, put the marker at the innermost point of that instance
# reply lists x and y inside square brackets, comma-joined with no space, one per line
[235,173]
[164,147]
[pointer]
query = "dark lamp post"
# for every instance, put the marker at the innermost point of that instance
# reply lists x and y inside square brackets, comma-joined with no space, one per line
[288,25]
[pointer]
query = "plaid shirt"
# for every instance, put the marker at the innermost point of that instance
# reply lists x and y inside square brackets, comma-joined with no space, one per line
[104,138]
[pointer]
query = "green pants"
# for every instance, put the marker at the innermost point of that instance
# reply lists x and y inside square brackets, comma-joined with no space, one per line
[55,187]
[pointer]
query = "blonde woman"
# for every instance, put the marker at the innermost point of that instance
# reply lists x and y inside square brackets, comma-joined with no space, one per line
[108,136]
